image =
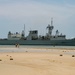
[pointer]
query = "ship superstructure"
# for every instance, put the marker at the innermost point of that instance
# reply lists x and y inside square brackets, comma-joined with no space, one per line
[34,39]
[57,36]
[15,36]
[33,34]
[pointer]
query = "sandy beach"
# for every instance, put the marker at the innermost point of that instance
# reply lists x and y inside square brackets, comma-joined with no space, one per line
[37,61]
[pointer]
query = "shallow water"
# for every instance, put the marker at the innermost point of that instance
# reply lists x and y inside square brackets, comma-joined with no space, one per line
[38,46]
[24,48]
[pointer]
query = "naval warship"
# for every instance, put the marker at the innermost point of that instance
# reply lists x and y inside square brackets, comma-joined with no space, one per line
[34,39]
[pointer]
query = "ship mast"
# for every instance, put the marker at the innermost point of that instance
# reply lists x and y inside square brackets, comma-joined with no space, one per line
[50,28]
[24,30]
[51,21]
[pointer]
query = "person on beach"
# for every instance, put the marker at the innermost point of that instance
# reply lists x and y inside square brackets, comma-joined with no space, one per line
[17,45]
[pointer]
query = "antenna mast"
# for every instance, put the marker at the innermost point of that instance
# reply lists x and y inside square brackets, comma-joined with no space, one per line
[24,30]
[51,21]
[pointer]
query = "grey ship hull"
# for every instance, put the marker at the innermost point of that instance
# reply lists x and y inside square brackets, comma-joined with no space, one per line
[39,42]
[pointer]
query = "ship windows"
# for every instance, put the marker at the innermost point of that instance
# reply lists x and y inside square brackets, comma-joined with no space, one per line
[34,32]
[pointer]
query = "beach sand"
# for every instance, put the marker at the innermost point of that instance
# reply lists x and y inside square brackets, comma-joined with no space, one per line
[37,63]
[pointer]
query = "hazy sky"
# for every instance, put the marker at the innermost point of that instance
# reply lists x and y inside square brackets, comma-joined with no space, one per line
[36,15]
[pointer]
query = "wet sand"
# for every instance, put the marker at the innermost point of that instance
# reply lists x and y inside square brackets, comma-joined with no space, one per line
[33,61]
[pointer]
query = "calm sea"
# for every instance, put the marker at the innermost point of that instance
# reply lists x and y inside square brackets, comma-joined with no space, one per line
[32,46]
[11,48]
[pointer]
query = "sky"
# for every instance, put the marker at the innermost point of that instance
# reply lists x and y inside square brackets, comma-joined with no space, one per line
[36,15]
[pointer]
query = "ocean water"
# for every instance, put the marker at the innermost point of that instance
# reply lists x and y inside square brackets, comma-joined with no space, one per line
[12,48]
[32,46]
